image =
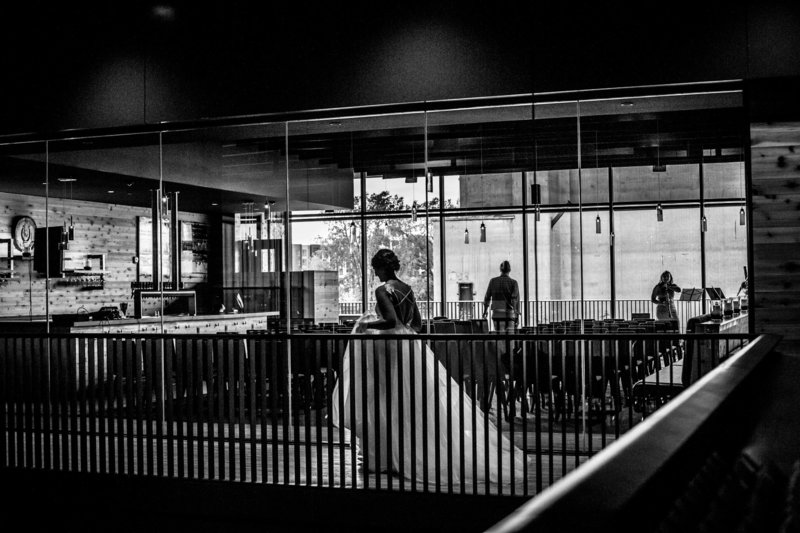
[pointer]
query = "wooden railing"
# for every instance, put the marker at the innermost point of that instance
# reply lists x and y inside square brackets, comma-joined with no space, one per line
[265,407]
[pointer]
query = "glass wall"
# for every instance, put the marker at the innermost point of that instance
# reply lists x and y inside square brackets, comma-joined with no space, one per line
[589,200]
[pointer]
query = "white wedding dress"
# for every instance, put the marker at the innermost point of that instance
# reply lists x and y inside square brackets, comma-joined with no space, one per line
[401,408]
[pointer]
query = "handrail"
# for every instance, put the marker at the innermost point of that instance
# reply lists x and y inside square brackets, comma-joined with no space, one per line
[597,493]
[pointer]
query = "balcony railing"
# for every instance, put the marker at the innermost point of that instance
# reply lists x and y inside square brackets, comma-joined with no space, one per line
[547,311]
[266,408]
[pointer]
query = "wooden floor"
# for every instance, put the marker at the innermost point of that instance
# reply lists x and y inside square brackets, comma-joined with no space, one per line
[299,455]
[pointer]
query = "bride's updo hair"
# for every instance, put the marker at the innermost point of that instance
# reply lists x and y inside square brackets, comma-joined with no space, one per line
[385,258]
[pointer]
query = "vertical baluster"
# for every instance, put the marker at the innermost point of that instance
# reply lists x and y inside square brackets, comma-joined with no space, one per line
[329,399]
[27,381]
[201,384]
[157,344]
[84,436]
[119,403]
[362,395]
[461,443]
[402,347]
[131,381]
[169,404]
[436,428]
[276,389]
[423,355]
[286,379]
[177,388]
[252,396]
[186,347]
[265,386]
[240,346]
[212,381]
[309,372]
[230,399]
[151,413]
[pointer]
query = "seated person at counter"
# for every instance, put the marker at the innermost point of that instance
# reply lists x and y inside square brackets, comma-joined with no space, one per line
[663,296]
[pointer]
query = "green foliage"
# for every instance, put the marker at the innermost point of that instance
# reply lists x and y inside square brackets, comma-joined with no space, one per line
[338,251]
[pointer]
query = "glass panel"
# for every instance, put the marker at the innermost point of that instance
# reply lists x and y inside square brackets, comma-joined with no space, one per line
[470,265]
[567,245]
[726,249]
[331,251]
[641,184]
[645,247]
[329,157]
[723,180]
[481,154]
[555,157]
[23,190]
[408,239]
[100,189]
[228,241]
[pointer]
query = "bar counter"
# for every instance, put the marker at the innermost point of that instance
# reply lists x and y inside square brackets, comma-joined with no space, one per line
[177,324]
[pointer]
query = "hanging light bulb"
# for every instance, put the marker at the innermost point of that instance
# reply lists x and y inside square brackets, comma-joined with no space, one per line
[352,231]
[704,224]
[414,212]
[538,214]
[597,224]
[742,217]
[429,181]
[660,212]
[466,236]
[483,232]
[71,229]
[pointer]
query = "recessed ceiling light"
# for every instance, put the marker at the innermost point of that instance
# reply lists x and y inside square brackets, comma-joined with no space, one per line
[214,203]
[335,123]
[67,180]
[626,104]
[110,192]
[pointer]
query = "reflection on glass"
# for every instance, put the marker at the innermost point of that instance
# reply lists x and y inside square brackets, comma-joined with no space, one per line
[231,197]
[329,255]
[23,190]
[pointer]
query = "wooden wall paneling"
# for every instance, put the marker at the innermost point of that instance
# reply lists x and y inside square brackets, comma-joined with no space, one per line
[775,174]
[108,229]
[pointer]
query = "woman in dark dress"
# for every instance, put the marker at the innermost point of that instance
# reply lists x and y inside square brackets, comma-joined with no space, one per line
[664,297]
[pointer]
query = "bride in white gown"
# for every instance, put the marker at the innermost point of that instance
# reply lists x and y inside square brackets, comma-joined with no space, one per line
[402,400]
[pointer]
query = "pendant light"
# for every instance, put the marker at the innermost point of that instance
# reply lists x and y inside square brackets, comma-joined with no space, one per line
[429,181]
[414,211]
[483,232]
[352,231]
[703,224]
[597,224]
[742,214]
[466,235]
[659,209]
[483,193]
